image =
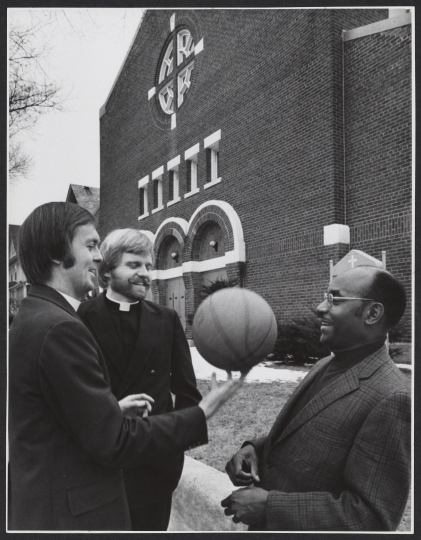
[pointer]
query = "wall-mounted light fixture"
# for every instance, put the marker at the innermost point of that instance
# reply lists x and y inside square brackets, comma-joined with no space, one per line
[174,256]
[214,244]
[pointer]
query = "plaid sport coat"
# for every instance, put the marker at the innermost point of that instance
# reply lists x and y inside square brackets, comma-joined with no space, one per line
[343,462]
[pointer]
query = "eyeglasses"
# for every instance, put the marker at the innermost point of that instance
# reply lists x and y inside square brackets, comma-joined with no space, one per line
[330,298]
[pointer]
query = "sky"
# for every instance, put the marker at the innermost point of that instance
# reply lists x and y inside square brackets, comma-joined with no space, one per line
[86,50]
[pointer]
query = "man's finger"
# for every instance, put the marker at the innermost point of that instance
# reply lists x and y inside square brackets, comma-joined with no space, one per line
[136,397]
[254,472]
[141,404]
[226,501]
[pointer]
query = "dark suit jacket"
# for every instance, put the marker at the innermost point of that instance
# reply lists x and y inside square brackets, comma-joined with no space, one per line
[160,365]
[343,462]
[67,437]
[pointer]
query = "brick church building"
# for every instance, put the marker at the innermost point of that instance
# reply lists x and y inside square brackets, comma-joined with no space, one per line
[260,145]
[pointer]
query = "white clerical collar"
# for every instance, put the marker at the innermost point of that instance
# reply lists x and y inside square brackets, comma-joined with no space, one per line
[72,301]
[124,306]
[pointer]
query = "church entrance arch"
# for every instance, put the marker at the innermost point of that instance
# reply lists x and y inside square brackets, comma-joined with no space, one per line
[214,247]
[210,245]
[168,283]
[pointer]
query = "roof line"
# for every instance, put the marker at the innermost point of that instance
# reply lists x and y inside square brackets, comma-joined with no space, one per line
[103,108]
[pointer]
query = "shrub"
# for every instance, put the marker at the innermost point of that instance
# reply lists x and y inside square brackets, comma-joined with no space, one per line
[210,288]
[298,341]
[217,285]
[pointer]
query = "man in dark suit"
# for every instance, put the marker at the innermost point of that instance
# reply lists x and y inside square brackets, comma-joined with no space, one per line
[68,437]
[338,455]
[146,352]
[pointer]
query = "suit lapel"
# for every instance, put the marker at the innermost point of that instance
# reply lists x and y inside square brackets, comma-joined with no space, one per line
[305,383]
[105,334]
[150,320]
[344,384]
[50,294]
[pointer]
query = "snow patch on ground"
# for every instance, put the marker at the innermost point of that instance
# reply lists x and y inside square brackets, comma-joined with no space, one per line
[203,371]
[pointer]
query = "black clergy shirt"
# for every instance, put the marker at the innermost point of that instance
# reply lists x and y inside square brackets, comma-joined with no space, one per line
[126,324]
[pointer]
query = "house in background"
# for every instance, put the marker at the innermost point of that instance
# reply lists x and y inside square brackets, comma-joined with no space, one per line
[18,286]
[85,196]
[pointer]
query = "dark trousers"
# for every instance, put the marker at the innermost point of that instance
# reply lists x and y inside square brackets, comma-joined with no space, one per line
[151,515]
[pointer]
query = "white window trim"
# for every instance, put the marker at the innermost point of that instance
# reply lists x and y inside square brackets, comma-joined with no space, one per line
[192,155]
[184,52]
[158,172]
[157,177]
[193,185]
[143,184]
[214,165]
[213,140]
[176,185]
[173,165]
[167,66]
[145,201]
[212,143]
[184,82]
[170,203]
[167,105]
[213,183]
[190,193]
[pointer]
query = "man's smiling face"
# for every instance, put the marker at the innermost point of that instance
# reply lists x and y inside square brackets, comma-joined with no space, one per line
[131,279]
[80,277]
[343,325]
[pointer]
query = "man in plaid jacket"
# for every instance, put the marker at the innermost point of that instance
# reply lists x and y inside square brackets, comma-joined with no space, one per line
[338,456]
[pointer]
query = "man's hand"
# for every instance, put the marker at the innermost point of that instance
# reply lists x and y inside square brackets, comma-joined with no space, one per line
[136,405]
[247,505]
[220,394]
[242,468]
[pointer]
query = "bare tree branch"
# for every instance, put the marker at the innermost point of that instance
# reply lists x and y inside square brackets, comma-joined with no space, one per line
[31,91]
[19,162]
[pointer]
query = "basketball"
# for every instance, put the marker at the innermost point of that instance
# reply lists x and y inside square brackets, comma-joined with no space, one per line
[234,329]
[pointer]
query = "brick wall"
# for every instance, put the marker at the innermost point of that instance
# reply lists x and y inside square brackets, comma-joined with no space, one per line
[272,82]
[379,149]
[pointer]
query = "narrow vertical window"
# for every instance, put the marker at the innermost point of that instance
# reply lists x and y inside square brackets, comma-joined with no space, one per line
[173,179]
[156,197]
[157,189]
[188,176]
[143,197]
[214,165]
[191,157]
[141,202]
[213,173]
[171,186]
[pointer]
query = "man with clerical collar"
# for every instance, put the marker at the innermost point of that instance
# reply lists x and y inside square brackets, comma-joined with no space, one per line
[146,352]
[69,436]
[338,456]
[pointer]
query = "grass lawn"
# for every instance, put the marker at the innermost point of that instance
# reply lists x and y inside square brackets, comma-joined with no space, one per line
[249,414]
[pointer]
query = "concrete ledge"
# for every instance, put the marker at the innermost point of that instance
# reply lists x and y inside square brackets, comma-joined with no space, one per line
[196,502]
[375,28]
